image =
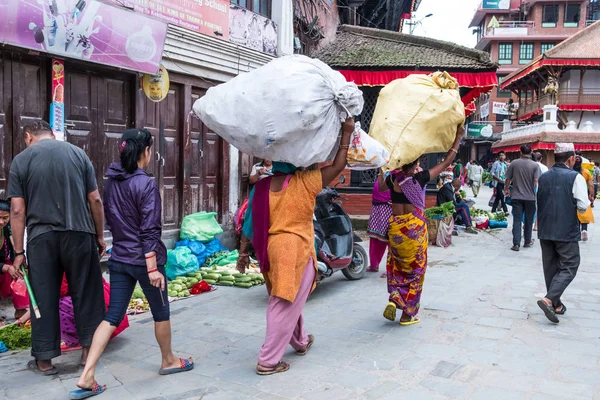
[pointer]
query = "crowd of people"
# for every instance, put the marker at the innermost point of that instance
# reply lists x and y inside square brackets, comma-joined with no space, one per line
[54,195]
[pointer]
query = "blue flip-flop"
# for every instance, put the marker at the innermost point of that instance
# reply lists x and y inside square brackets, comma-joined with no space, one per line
[185,365]
[86,393]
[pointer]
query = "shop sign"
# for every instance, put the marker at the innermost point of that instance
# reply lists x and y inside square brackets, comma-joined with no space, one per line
[252,30]
[480,130]
[484,110]
[156,87]
[496,4]
[500,108]
[209,17]
[85,29]
[57,107]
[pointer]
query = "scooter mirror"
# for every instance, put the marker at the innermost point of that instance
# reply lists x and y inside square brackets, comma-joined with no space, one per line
[342,180]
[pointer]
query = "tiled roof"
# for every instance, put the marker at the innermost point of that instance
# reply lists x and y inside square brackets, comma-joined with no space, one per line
[358,47]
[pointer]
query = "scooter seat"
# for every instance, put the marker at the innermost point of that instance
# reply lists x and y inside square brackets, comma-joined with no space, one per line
[338,225]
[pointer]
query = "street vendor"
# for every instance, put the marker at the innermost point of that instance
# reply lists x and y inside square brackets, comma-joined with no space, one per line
[450,192]
[279,222]
[133,212]
[6,254]
[407,255]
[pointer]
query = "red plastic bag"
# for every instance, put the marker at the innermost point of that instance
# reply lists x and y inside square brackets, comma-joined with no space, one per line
[20,297]
[239,217]
[125,323]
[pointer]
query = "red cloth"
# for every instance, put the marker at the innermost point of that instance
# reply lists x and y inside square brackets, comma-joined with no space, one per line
[64,287]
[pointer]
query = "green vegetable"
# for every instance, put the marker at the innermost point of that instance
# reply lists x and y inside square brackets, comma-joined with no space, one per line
[225,283]
[191,275]
[225,273]
[138,293]
[193,281]
[172,293]
[15,337]
[227,279]
[177,287]
[463,194]
[444,210]
[243,284]
[210,281]
[189,285]
[245,278]
[213,276]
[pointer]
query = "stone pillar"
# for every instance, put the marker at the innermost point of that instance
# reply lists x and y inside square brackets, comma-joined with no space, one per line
[506,125]
[550,117]
[282,13]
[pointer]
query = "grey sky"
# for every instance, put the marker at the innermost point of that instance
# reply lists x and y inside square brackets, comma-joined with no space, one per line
[450,20]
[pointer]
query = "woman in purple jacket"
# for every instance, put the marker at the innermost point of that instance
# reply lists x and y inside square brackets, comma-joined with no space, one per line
[132,208]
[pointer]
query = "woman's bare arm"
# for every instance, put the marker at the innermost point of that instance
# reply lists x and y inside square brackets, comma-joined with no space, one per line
[329,173]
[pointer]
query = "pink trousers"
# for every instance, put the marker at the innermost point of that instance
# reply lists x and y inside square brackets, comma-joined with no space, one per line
[285,324]
[376,251]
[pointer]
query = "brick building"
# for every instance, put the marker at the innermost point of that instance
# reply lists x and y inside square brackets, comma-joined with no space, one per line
[514,33]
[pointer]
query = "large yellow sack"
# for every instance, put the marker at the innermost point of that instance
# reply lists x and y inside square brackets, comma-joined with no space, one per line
[417,115]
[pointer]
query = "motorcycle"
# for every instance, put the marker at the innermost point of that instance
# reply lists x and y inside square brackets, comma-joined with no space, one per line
[337,244]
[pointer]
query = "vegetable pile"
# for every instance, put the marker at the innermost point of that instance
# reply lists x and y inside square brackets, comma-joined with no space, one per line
[228,275]
[16,337]
[444,210]
[463,194]
[139,305]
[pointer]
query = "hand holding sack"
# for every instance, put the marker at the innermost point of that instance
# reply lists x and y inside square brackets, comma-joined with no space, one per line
[287,110]
[417,115]
[365,152]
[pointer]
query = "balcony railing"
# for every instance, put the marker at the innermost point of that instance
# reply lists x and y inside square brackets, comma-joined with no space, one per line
[511,28]
[590,21]
[570,97]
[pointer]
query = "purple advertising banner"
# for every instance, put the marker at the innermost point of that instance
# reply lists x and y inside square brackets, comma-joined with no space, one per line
[85,29]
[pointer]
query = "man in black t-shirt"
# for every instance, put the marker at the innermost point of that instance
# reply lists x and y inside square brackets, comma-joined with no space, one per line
[53,190]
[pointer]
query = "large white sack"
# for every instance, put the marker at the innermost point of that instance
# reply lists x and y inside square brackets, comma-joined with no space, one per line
[287,110]
[365,152]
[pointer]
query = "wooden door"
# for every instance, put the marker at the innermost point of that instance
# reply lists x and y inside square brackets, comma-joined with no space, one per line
[163,120]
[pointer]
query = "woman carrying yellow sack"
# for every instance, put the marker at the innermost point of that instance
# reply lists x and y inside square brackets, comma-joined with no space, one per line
[407,253]
[588,216]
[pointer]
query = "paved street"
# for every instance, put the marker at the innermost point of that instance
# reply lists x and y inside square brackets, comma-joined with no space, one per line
[482,336]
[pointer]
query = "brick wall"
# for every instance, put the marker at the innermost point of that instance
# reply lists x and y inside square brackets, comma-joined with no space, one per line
[360,204]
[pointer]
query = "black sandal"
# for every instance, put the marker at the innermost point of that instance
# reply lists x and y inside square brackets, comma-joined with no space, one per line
[548,311]
[562,311]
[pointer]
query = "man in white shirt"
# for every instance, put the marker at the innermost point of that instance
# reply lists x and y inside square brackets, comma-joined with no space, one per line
[561,193]
[538,159]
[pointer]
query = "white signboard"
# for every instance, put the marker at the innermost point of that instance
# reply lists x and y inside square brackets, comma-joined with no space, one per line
[500,108]
[485,109]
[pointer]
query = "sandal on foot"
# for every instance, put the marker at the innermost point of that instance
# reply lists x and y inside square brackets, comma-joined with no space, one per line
[311,340]
[185,365]
[411,321]
[33,366]
[562,311]
[390,311]
[548,311]
[372,270]
[282,366]
[85,393]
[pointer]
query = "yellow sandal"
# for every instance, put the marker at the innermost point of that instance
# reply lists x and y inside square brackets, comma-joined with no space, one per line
[412,321]
[390,311]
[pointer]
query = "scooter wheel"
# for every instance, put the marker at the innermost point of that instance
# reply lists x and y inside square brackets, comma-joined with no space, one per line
[358,268]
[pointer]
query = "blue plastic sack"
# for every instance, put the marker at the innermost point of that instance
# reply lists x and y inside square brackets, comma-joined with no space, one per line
[498,224]
[197,248]
[214,246]
[181,261]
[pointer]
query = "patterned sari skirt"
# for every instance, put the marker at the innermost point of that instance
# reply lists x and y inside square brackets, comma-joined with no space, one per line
[407,260]
[379,221]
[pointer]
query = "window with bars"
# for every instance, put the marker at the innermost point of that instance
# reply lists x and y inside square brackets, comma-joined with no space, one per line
[550,16]
[526,53]
[503,93]
[546,47]
[505,51]
[262,7]
[572,15]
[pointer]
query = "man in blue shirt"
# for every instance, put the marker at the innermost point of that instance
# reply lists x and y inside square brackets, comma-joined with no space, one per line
[498,178]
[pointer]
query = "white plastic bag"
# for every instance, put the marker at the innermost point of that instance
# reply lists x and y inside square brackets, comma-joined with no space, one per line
[287,110]
[366,152]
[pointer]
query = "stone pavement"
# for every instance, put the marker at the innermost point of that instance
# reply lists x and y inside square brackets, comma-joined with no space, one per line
[482,336]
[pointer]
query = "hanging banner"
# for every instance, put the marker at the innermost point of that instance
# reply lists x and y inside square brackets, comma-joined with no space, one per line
[209,17]
[252,30]
[156,87]
[484,110]
[501,108]
[85,29]
[57,107]
[496,4]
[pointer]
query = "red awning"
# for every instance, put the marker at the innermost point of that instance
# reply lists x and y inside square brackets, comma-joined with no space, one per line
[579,107]
[547,146]
[551,62]
[480,82]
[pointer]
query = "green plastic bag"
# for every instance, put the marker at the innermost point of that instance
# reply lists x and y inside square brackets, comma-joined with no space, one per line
[181,261]
[201,226]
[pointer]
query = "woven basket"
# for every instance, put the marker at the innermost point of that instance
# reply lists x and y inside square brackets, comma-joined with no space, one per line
[433,225]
